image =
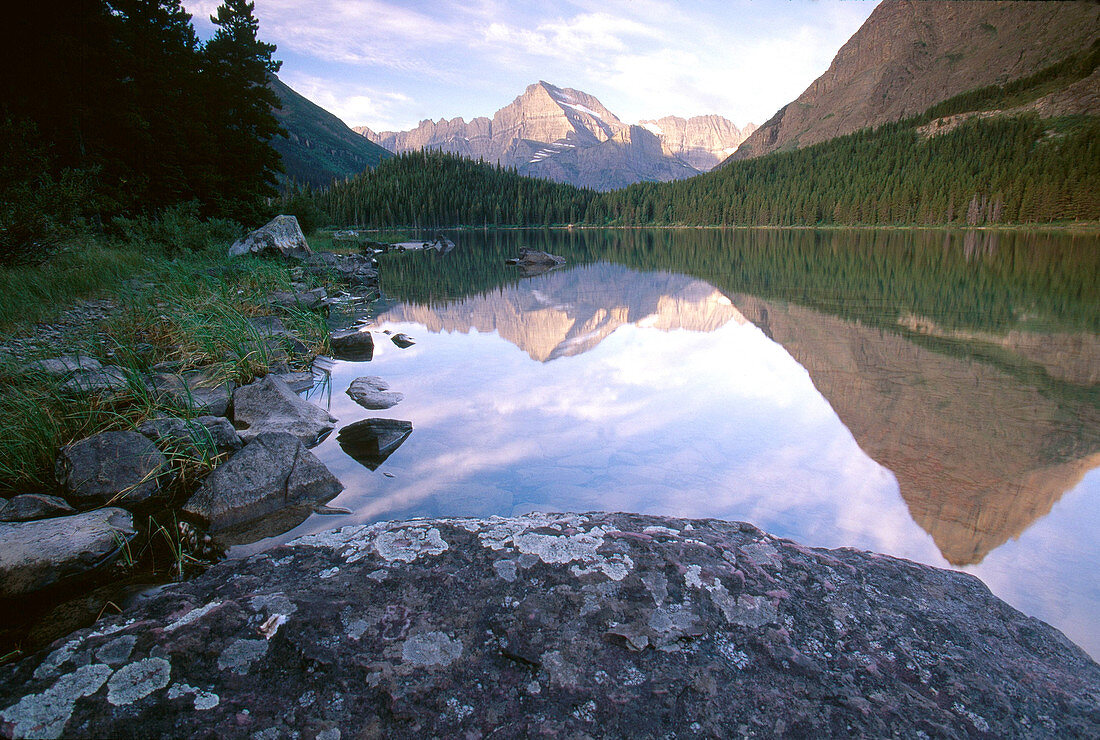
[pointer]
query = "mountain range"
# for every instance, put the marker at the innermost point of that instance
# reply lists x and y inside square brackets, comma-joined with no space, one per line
[567,135]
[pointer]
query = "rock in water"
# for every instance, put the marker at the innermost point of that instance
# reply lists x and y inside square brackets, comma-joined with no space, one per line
[34,555]
[111,467]
[269,405]
[371,392]
[352,344]
[602,625]
[272,472]
[371,441]
[281,236]
[404,341]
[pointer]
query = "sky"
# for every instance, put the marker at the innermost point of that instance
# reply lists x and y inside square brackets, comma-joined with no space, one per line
[389,64]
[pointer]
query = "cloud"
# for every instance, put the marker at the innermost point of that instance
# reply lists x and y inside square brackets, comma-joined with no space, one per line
[351,103]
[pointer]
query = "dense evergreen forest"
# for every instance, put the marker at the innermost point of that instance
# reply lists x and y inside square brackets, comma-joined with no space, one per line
[1002,169]
[113,107]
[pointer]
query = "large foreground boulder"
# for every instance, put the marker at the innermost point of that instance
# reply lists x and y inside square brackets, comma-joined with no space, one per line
[121,468]
[34,555]
[281,236]
[606,625]
[272,472]
[269,405]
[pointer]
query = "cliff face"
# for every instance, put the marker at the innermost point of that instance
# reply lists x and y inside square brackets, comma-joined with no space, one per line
[557,133]
[701,141]
[978,454]
[910,54]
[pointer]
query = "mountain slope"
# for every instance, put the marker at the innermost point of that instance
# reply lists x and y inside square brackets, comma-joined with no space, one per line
[912,54]
[319,147]
[701,141]
[558,133]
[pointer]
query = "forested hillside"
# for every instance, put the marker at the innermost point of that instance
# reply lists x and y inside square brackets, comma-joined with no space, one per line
[1019,169]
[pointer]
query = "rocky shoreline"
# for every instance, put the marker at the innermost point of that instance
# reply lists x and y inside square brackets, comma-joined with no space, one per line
[578,625]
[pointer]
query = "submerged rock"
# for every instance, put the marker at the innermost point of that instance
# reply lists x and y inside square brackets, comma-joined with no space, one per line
[352,344]
[269,405]
[111,467]
[371,441]
[272,472]
[28,506]
[404,341]
[281,236]
[602,625]
[371,392]
[34,555]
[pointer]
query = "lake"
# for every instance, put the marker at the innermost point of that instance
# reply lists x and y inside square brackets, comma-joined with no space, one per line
[933,395]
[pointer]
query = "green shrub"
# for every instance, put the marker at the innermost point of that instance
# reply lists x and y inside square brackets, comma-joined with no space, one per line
[177,229]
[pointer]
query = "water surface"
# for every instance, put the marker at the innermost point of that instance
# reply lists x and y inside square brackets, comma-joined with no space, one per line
[928,394]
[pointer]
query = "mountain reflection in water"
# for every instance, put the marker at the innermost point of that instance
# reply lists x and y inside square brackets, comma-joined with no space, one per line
[905,393]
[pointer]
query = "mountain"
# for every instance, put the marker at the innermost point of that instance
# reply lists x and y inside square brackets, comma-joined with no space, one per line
[912,54]
[701,141]
[564,135]
[318,147]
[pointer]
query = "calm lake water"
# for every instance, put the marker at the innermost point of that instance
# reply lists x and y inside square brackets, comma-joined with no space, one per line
[933,395]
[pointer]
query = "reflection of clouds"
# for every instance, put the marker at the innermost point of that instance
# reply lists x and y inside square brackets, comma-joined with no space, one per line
[1041,571]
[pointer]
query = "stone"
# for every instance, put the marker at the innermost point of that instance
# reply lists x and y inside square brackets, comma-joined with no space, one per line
[28,506]
[297,382]
[370,442]
[64,366]
[537,257]
[268,326]
[352,344]
[269,405]
[354,269]
[370,392]
[38,554]
[107,379]
[111,467]
[204,436]
[282,237]
[594,625]
[272,472]
[403,341]
[194,391]
[308,300]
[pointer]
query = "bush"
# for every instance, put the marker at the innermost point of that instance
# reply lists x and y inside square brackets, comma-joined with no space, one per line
[177,229]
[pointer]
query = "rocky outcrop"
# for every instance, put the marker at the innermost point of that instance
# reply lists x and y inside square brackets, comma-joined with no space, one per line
[558,133]
[271,473]
[111,467]
[281,237]
[911,54]
[43,553]
[607,625]
[701,141]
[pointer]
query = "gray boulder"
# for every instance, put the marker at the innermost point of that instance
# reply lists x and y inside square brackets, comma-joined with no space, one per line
[193,390]
[269,405]
[404,341]
[297,382]
[307,300]
[106,379]
[111,467]
[535,257]
[281,236]
[370,392]
[370,442]
[268,326]
[561,625]
[64,366]
[354,269]
[34,555]
[271,473]
[206,435]
[28,506]
[352,344]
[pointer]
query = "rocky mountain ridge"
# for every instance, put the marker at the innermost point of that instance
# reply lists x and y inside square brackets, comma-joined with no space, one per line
[569,136]
[912,54]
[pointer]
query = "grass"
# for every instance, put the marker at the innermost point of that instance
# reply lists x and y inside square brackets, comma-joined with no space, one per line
[187,308]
